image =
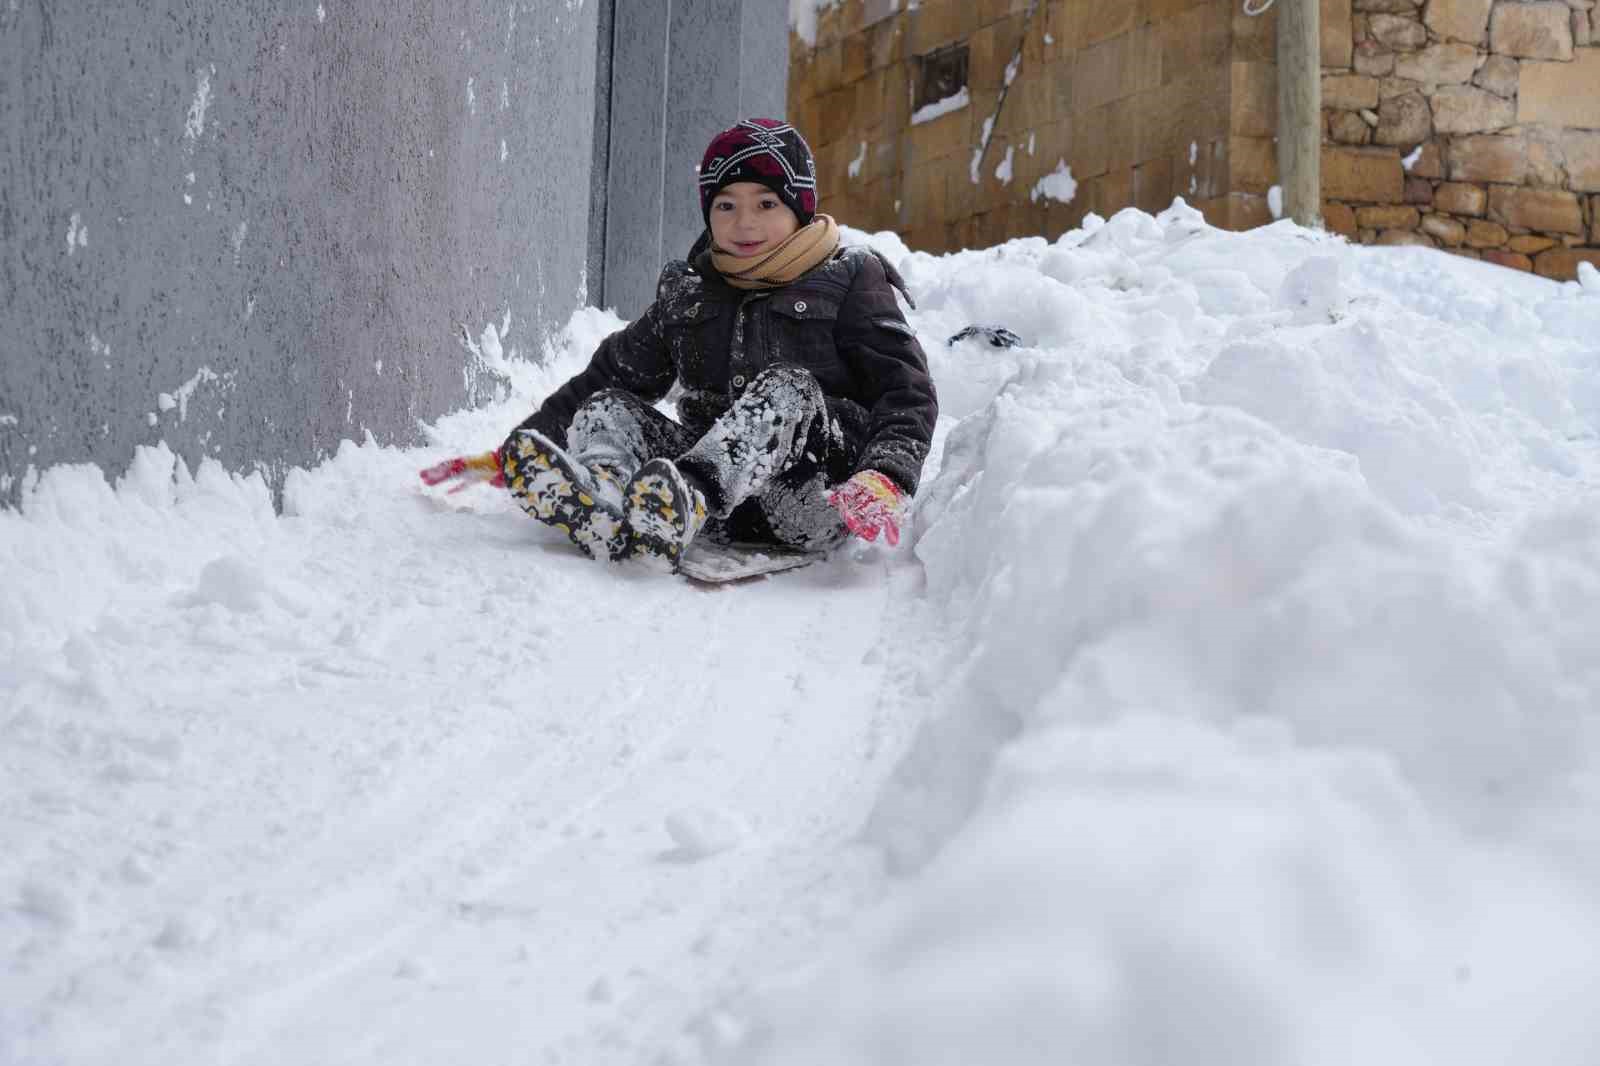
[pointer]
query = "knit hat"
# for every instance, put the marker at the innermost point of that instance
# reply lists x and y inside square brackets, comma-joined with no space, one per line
[764,150]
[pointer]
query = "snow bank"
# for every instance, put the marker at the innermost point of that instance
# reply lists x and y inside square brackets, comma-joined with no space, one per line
[1269,579]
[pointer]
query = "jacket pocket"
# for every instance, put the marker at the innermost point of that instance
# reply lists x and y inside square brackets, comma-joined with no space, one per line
[803,330]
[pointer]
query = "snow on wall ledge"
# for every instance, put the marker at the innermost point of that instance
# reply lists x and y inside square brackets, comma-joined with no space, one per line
[1272,574]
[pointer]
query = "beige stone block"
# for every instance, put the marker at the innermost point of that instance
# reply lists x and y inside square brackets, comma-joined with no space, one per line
[1247,212]
[1459,20]
[1349,92]
[1405,237]
[1255,40]
[1451,63]
[1393,86]
[1509,259]
[1530,244]
[1419,191]
[1542,210]
[1193,41]
[1541,30]
[1404,121]
[1468,109]
[1338,33]
[1429,162]
[1373,60]
[1488,158]
[1459,198]
[1104,72]
[936,23]
[1153,186]
[1255,100]
[1594,220]
[990,50]
[1252,164]
[1582,29]
[1389,7]
[1399,32]
[1388,216]
[1582,152]
[1123,137]
[1362,175]
[1562,94]
[886,42]
[1103,21]
[1447,231]
[1347,127]
[1498,75]
[945,135]
[1562,263]
[1114,191]
[1339,218]
[1482,234]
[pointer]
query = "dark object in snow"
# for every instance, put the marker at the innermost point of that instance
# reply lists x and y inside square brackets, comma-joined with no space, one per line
[997,336]
[710,563]
[583,501]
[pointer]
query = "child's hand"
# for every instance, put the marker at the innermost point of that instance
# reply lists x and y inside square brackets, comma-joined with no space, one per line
[870,504]
[466,469]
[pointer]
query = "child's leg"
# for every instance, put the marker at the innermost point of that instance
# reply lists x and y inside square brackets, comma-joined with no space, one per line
[778,424]
[618,432]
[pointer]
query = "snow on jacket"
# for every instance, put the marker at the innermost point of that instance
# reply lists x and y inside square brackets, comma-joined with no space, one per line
[840,322]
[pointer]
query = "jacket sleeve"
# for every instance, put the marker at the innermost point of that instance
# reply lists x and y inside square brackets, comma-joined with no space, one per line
[635,359]
[891,373]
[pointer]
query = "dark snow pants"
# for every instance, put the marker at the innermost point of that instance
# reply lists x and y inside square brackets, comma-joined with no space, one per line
[765,465]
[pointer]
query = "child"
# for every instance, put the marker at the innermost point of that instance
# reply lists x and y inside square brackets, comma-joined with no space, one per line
[805,408]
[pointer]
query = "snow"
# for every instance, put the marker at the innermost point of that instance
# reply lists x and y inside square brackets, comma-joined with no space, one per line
[1003,171]
[1231,700]
[1411,159]
[1056,185]
[930,111]
[858,161]
[803,17]
[1275,201]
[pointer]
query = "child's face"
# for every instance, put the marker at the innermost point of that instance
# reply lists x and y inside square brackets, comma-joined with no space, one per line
[747,218]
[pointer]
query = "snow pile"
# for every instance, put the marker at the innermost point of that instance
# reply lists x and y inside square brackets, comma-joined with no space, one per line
[1271,583]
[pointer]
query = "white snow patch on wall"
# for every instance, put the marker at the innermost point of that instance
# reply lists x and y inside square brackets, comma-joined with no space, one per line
[1411,160]
[1003,171]
[77,233]
[1275,201]
[472,97]
[195,124]
[8,420]
[954,102]
[855,164]
[179,398]
[502,149]
[322,13]
[1056,185]
[1032,140]
[1011,68]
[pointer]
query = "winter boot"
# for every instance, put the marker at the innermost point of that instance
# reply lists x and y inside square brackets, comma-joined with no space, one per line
[664,512]
[584,503]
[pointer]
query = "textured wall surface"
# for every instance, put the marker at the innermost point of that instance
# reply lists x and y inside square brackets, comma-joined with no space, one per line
[706,63]
[252,230]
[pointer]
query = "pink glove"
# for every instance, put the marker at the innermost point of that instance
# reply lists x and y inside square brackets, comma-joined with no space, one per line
[466,469]
[870,504]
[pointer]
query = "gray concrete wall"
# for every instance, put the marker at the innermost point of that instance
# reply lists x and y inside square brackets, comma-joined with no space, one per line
[252,230]
[707,63]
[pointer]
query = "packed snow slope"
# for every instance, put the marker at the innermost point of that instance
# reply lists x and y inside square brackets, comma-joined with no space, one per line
[1234,702]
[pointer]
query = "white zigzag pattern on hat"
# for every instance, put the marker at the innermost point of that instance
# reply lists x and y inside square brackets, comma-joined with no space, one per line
[768,143]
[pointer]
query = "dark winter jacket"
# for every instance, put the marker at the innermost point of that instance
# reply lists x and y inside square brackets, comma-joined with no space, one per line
[840,322]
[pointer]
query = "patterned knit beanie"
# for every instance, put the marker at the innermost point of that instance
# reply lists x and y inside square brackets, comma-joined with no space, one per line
[764,150]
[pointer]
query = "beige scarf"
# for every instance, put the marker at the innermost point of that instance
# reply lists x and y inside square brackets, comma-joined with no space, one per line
[803,249]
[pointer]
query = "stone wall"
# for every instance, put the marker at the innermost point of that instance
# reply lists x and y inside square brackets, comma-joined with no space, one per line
[1133,97]
[1468,125]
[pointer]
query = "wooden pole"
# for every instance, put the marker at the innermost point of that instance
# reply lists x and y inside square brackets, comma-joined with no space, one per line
[1300,110]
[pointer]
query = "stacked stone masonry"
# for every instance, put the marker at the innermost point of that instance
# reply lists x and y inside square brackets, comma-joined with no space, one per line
[1471,126]
[1468,125]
